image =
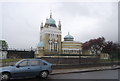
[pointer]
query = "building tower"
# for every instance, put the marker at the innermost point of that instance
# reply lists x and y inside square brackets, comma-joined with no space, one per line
[50,36]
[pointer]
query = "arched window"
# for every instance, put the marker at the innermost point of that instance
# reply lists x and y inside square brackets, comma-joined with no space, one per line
[55,46]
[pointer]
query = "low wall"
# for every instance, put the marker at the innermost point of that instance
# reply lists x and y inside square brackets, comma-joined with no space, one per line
[71,60]
[65,66]
[84,65]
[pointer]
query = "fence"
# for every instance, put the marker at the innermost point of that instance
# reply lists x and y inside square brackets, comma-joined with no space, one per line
[85,65]
[63,60]
[70,59]
[69,65]
[76,60]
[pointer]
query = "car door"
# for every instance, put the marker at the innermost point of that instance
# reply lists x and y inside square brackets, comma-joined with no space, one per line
[35,67]
[22,69]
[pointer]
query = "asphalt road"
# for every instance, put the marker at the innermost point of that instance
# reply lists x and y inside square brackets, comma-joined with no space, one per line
[106,74]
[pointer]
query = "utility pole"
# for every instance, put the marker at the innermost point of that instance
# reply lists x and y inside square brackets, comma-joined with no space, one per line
[79,58]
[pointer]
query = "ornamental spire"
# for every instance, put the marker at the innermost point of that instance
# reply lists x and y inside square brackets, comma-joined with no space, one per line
[59,25]
[50,13]
[68,33]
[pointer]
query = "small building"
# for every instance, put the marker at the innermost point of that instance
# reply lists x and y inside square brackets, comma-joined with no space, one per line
[104,56]
[69,46]
[3,49]
[40,49]
[3,54]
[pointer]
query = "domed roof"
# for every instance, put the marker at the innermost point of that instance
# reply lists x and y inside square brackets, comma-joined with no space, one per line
[51,21]
[68,36]
[40,44]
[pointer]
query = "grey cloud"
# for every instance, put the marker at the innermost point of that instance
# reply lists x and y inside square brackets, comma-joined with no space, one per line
[21,21]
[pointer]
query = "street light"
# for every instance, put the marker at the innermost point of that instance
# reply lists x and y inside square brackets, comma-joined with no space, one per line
[79,57]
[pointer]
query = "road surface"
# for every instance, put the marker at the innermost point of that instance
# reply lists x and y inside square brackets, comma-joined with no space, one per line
[106,74]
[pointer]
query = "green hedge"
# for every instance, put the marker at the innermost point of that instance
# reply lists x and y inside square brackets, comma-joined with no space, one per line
[66,55]
[9,60]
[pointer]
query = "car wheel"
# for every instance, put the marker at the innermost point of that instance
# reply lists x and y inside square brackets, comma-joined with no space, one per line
[43,74]
[5,77]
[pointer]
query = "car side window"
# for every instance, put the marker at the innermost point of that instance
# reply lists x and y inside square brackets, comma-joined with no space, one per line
[42,63]
[35,63]
[24,63]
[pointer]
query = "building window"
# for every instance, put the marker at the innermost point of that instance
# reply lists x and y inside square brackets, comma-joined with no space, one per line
[50,45]
[77,51]
[64,51]
[67,51]
[55,46]
[72,51]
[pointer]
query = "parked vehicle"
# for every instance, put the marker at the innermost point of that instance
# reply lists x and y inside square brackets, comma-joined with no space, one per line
[26,68]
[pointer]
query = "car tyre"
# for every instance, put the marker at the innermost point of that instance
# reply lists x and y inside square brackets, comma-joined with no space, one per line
[5,77]
[44,74]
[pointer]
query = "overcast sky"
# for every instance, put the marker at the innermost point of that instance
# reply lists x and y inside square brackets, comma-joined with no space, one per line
[84,20]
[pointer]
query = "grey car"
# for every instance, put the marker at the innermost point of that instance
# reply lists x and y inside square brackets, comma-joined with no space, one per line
[26,68]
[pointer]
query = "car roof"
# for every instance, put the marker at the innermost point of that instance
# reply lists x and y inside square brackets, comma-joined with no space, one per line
[36,59]
[31,59]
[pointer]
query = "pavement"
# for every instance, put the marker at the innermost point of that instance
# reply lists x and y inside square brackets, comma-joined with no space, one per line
[80,70]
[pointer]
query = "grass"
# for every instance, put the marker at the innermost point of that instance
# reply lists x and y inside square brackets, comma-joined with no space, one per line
[109,60]
[9,60]
[100,61]
[116,59]
[104,60]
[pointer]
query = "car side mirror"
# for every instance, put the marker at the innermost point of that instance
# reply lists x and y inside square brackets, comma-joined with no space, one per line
[17,66]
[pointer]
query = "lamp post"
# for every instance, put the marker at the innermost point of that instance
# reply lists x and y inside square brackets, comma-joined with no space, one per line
[79,57]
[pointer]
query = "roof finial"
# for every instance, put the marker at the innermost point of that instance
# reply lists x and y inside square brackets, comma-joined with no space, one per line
[68,33]
[50,13]
[59,23]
